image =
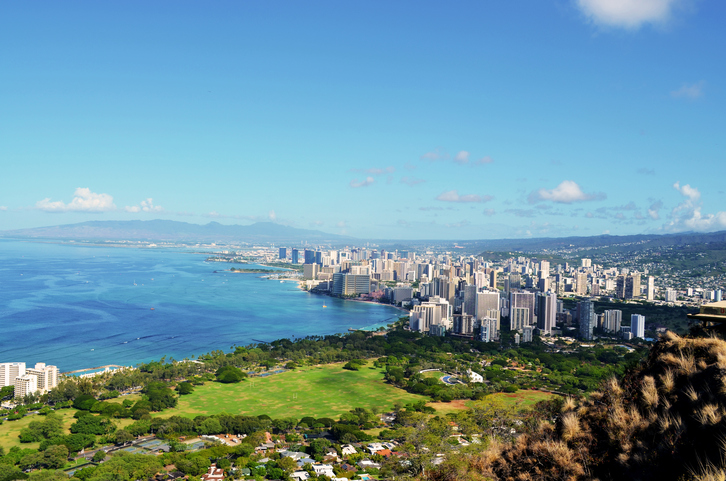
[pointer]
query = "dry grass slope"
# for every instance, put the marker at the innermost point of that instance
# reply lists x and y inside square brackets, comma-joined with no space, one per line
[664,420]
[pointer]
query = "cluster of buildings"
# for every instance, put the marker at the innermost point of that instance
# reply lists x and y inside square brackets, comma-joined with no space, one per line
[28,380]
[468,296]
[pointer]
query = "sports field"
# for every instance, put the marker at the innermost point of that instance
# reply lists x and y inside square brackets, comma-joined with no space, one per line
[321,391]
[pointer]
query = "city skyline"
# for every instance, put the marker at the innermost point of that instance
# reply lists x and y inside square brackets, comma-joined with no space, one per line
[406,121]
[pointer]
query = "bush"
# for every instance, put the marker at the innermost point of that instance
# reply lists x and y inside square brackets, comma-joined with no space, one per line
[230,374]
[84,402]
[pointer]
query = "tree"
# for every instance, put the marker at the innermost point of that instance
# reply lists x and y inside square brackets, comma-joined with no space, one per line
[230,374]
[184,388]
[99,456]
[123,436]
[84,402]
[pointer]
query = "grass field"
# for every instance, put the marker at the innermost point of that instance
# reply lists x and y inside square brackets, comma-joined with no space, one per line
[320,391]
[521,399]
[9,430]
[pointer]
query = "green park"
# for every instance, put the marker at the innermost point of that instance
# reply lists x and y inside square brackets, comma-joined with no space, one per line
[319,391]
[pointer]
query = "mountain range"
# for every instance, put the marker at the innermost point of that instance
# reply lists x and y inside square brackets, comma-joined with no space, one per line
[174,231]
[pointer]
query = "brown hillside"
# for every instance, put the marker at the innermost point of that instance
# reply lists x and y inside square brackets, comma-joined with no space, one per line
[665,420]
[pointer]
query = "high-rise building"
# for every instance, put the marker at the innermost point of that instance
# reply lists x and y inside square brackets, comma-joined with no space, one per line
[546,312]
[470,298]
[295,256]
[627,286]
[9,371]
[464,324]
[612,320]
[581,283]
[309,256]
[544,269]
[351,284]
[488,331]
[586,318]
[434,311]
[651,288]
[671,295]
[283,253]
[47,376]
[24,385]
[518,318]
[523,299]
[310,271]
[637,325]
[527,333]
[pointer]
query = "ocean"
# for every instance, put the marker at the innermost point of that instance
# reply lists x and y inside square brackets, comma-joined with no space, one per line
[79,307]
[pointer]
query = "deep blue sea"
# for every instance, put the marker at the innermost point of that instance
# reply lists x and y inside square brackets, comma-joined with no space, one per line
[78,307]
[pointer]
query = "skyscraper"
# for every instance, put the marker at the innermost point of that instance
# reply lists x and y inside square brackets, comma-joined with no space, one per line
[295,256]
[9,371]
[526,300]
[581,283]
[651,288]
[546,312]
[613,320]
[470,298]
[586,313]
[282,253]
[637,325]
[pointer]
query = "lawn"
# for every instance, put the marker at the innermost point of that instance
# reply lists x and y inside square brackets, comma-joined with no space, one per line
[321,391]
[10,430]
[522,399]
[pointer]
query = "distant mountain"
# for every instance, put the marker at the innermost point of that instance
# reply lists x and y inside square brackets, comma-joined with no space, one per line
[544,244]
[174,231]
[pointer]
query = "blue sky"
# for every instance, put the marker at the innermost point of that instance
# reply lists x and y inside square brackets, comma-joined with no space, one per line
[402,120]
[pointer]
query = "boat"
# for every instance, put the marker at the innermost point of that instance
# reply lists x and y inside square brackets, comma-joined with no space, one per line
[324,306]
[152,308]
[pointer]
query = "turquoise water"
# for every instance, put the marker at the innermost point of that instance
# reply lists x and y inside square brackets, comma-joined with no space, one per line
[79,307]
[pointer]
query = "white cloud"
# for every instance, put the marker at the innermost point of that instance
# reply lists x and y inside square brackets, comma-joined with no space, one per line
[687,191]
[363,183]
[687,215]
[692,91]
[83,201]
[654,208]
[566,193]
[484,160]
[2,207]
[411,181]
[272,216]
[489,212]
[462,157]
[437,154]
[629,14]
[145,206]
[453,196]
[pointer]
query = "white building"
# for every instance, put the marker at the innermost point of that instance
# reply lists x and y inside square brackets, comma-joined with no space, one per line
[527,333]
[475,376]
[650,295]
[671,295]
[25,385]
[47,376]
[613,319]
[9,371]
[434,312]
[637,325]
